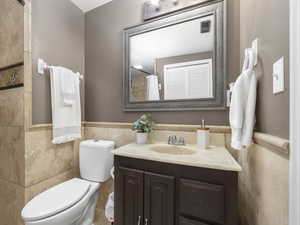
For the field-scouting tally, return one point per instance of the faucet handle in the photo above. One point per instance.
(181, 141)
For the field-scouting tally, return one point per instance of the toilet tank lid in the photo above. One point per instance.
(55, 199)
(97, 143)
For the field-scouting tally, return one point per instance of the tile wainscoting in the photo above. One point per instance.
(263, 181)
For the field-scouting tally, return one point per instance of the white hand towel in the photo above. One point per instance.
(152, 88)
(66, 120)
(242, 107)
(67, 85)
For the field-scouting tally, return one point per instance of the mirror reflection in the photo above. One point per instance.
(174, 62)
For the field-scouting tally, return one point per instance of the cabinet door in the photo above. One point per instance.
(159, 199)
(202, 200)
(129, 196)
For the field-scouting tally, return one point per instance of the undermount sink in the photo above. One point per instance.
(172, 149)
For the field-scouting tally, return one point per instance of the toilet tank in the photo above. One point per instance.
(96, 160)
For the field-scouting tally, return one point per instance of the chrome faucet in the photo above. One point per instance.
(172, 140)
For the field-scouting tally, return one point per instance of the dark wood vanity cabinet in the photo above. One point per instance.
(156, 193)
(144, 198)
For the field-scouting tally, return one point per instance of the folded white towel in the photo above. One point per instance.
(67, 85)
(152, 88)
(242, 107)
(66, 119)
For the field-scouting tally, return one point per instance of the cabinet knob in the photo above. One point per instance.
(146, 221)
(139, 220)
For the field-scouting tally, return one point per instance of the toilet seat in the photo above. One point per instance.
(56, 200)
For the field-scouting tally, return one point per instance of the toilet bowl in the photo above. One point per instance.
(74, 202)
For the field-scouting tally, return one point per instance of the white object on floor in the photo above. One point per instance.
(243, 103)
(66, 119)
(74, 201)
(152, 88)
(109, 208)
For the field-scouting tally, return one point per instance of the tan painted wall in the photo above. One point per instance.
(58, 38)
(104, 60)
(268, 21)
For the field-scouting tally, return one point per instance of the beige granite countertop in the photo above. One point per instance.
(213, 158)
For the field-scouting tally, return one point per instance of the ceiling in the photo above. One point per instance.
(87, 5)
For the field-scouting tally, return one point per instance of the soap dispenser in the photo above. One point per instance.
(203, 136)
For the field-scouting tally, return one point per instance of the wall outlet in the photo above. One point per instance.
(278, 76)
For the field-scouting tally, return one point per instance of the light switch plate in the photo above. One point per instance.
(255, 51)
(278, 76)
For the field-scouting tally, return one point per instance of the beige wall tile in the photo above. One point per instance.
(76, 154)
(11, 203)
(100, 218)
(121, 136)
(12, 154)
(27, 27)
(28, 72)
(11, 40)
(263, 185)
(96, 133)
(12, 107)
(45, 160)
(105, 189)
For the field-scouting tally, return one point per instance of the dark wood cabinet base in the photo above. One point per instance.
(155, 193)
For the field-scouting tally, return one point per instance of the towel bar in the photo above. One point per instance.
(42, 66)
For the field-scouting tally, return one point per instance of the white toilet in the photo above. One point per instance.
(73, 202)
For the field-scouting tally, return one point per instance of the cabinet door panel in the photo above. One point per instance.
(202, 200)
(159, 199)
(129, 196)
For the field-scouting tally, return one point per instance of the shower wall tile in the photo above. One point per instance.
(45, 160)
(12, 154)
(12, 201)
(11, 40)
(12, 107)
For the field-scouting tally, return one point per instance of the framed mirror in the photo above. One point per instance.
(177, 62)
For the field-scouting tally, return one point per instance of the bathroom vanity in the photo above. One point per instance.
(166, 185)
